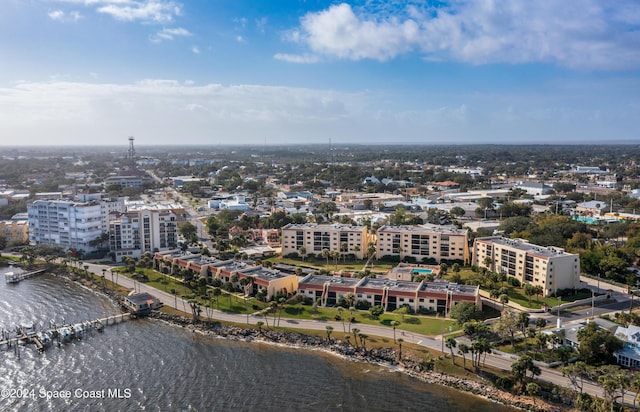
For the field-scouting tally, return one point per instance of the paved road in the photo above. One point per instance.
(431, 342)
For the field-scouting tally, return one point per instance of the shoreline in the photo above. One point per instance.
(385, 357)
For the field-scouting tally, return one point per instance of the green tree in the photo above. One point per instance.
(188, 230)
(464, 312)
(376, 311)
(394, 324)
(329, 332)
(507, 326)
(521, 367)
(597, 346)
(451, 344)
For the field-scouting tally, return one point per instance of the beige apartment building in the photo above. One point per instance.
(346, 239)
(15, 231)
(550, 267)
(423, 242)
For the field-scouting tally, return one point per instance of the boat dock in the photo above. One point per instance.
(12, 277)
(57, 333)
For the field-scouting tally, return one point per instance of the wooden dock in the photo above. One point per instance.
(22, 336)
(11, 277)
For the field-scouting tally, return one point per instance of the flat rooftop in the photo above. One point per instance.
(391, 284)
(336, 226)
(453, 287)
(264, 273)
(526, 246)
(320, 280)
(452, 230)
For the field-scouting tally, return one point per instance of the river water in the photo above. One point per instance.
(151, 366)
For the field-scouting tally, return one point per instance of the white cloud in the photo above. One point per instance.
(170, 34)
(195, 49)
(156, 11)
(56, 15)
(585, 34)
(239, 39)
(61, 16)
(261, 24)
(295, 58)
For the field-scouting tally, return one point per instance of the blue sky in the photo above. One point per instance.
(237, 71)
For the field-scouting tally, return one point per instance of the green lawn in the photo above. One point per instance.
(225, 302)
(411, 323)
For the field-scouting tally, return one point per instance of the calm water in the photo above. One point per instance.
(158, 367)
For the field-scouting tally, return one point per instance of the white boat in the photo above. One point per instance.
(65, 334)
(11, 277)
(44, 338)
(28, 327)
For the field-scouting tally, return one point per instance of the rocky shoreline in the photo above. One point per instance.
(384, 356)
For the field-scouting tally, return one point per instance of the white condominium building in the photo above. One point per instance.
(550, 267)
(423, 242)
(66, 223)
(346, 239)
(134, 233)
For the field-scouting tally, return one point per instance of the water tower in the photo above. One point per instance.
(132, 153)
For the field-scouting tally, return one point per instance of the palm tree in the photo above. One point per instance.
(341, 315)
(302, 251)
(259, 324)
(394, 324)
(363, 339)
(344, 248)
(351, 310)
(329, 331)
(217, 292)
(347, 338)
(356, 335)
(463, 349)
(400, 340)
(451, 343)
(325, 254)
(335, 255)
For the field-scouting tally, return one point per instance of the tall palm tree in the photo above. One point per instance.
(356, 335)
(394, 324)
(451, 343)
(463, 349)
(363, 340)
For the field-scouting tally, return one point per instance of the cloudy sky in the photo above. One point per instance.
(370, 71)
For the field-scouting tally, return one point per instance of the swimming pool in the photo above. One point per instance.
(422, 271)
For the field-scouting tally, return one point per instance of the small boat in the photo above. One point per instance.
(11, 277)
(65, 334)
(78, 330)
(44, 338)
(28, 328)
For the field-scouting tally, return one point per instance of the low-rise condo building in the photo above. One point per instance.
(390, 294)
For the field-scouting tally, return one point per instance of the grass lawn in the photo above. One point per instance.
(417, 324)
(226, 302)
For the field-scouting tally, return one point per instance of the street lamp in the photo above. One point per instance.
(559, 322)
